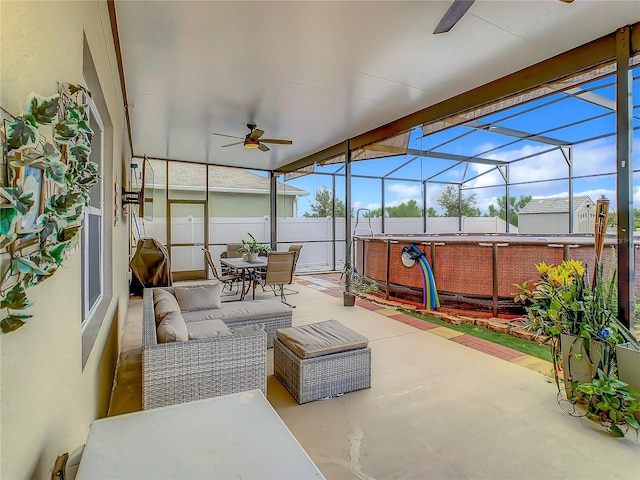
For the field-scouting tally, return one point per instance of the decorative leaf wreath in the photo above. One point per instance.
(65, 163)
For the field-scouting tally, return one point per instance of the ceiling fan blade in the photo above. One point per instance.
(275, 140)
(457, 9)
(263, 147)
(256, 134)
(223, 135)
(232, 144)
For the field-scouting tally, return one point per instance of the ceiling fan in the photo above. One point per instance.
(252, 139)
(455, 12)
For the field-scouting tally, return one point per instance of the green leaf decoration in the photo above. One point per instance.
(6, 240)
(80, 152)
(13, 321)
(8, 217)
(64, 205)
(59, 225)
(65, 235)
(15, 299)
(57, 252)
(54, 170)
(26, 265)
(83, 125)
(49, 226)
(44, 109)
(21, 134)
(88, 176)
(66, 131)
(73, 88)
(20, 201)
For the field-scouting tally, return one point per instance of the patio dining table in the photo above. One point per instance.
(247, 271)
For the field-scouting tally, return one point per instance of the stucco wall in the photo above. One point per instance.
(48, 399)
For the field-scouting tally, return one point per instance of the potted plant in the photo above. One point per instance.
(610, 402)
(578, 319)
(357, 284)
(250, 249)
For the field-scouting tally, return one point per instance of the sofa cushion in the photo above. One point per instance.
(320, 338)
(205, 297)
(159, 293)
(172, 328)
(242, 311)
(164, 304)
(207, 329)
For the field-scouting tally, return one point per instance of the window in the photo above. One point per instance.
(92, 228)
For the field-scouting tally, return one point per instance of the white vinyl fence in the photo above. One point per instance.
(315, 234)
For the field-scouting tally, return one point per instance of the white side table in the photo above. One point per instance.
(228, 437)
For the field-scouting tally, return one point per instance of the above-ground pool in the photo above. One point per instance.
(471, 271)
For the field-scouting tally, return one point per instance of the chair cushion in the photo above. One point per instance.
(321, 338)
(172, 328)
(205, 297)
(207, 329)
(241, 311)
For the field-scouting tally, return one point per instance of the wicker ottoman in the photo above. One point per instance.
(321, 360)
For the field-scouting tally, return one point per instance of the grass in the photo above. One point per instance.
(525, 346)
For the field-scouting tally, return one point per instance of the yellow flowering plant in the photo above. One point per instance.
(563, 301)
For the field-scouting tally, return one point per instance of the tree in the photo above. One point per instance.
(323, 206)
(514, 207)
(404, 210)
(431, 212)
(448, 200)
(612, 221)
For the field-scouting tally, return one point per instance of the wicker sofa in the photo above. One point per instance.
(182, 371)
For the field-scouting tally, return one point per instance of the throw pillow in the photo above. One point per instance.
(207, 329)
(165, 305)
(205, 297)
(159, 293)
(172, 328)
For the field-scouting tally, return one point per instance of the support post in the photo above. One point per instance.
(626, 270)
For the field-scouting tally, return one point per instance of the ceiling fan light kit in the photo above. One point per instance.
(252, 139)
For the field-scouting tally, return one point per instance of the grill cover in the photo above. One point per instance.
(150, 264)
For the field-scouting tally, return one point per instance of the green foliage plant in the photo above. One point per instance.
(358, 283)
(563, 301)
(53, 135)
(253, 246)
(610, 402)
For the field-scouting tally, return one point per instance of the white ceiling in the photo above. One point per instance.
(318, 73)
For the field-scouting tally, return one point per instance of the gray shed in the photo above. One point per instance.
(551, 215)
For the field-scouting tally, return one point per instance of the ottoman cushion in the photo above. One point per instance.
(322, 338)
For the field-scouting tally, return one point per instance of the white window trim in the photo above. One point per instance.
(88, 312)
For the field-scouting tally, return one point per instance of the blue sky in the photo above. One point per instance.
(559, 116)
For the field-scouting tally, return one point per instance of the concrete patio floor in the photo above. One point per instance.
(436, 409)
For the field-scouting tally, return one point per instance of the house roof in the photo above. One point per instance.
(554, 205)
(187, 176)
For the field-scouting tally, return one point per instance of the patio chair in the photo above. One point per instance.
(295, 248)
(231, 251)
(279, 272)
(228, 279)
